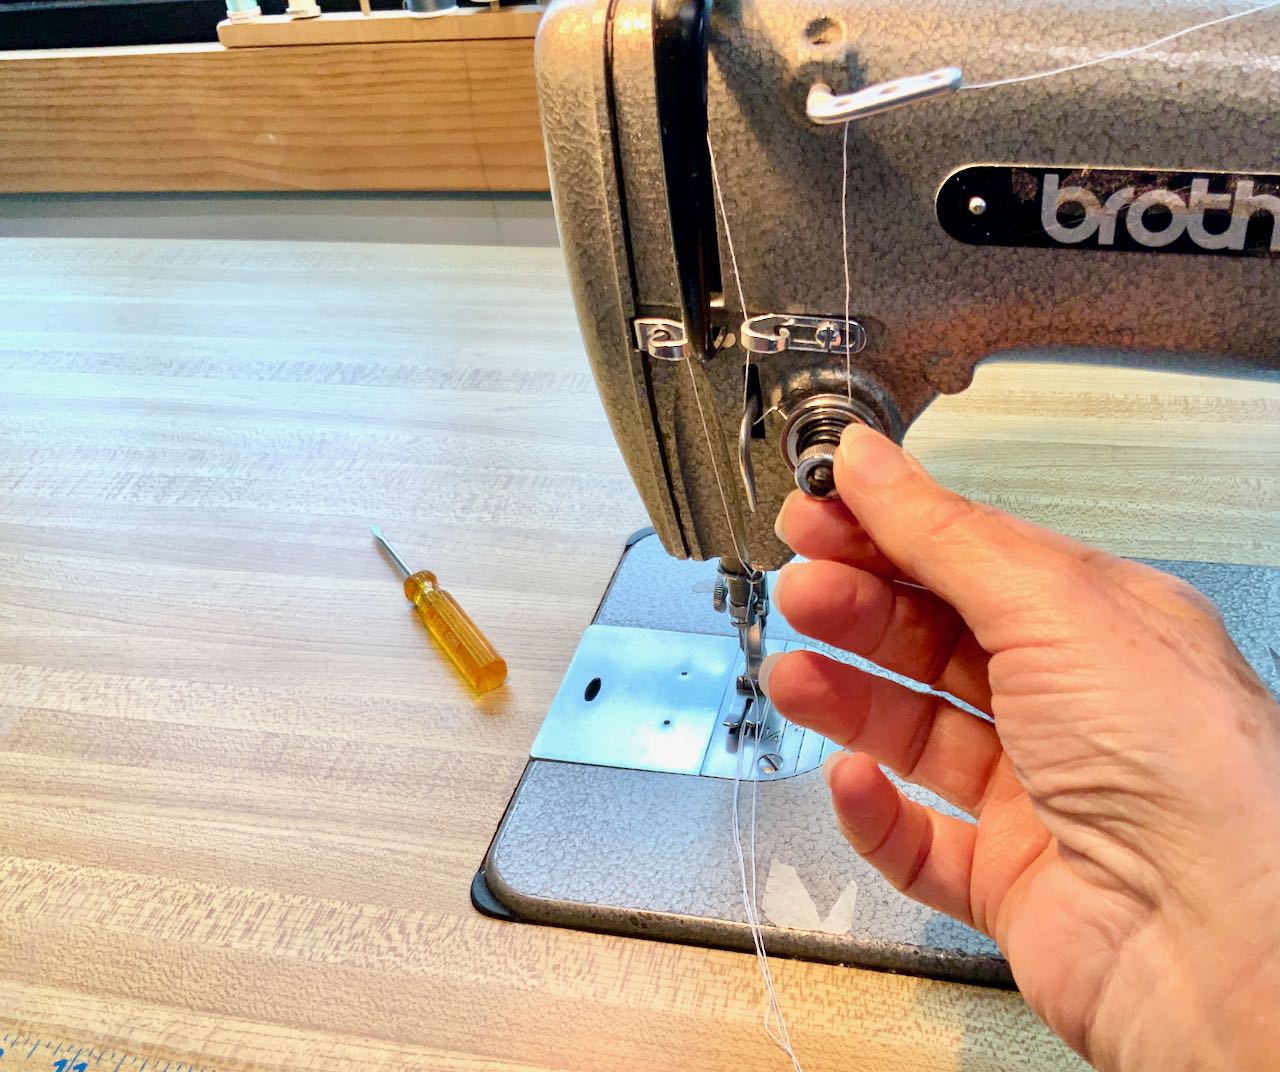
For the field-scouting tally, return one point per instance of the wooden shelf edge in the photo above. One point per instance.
(306, 118)
(381, 27)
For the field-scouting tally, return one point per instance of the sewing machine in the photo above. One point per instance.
(1125, 212)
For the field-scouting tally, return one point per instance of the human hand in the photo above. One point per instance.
(1126, 849)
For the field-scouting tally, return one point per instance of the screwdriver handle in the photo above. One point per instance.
(457, 635)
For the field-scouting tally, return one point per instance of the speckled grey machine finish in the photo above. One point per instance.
(933, 306)
(649, 854)
(643, 852)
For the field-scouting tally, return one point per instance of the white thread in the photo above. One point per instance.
(775, 1022)
(773, 1014)
(1120, 54)
(733, 259)
(782, 1035)
(739, 548)
(844, 242)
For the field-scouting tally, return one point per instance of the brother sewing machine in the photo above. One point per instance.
(1116, 212)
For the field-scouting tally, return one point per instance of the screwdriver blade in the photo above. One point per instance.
(382, 542)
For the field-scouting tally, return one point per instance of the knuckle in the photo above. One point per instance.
(947, 518)
(1191, 598)
(908, 880)
(1070, 578)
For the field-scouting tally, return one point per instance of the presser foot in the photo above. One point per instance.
(743, 594)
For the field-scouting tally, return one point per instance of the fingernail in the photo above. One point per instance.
(829, 766)
(777, 525)
(766, 668)
(869, 457)
(779, 581)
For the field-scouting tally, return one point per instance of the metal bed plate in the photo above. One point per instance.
(605, 846)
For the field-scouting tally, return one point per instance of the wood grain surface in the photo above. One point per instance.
(241, 800)
(435, 116)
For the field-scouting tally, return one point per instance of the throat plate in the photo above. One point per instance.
(658, 700)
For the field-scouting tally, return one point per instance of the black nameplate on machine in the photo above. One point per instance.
(1187, 212)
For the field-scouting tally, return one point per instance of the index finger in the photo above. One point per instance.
(824, 529)
(1005, 581)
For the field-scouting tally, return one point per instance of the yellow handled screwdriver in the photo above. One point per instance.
(449, 625)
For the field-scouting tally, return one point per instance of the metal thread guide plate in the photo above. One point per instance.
(657, 700)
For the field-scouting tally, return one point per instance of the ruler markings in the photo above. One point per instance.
(11, 1043)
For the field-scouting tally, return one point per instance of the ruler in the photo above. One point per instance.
(19, 1051)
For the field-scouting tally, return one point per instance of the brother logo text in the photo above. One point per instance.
(1232, 210)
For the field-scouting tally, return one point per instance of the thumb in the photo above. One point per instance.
(970, 554)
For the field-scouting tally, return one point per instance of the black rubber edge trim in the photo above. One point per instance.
(632, 540)
(484, 901)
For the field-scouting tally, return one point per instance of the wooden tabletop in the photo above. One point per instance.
(241, 800)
